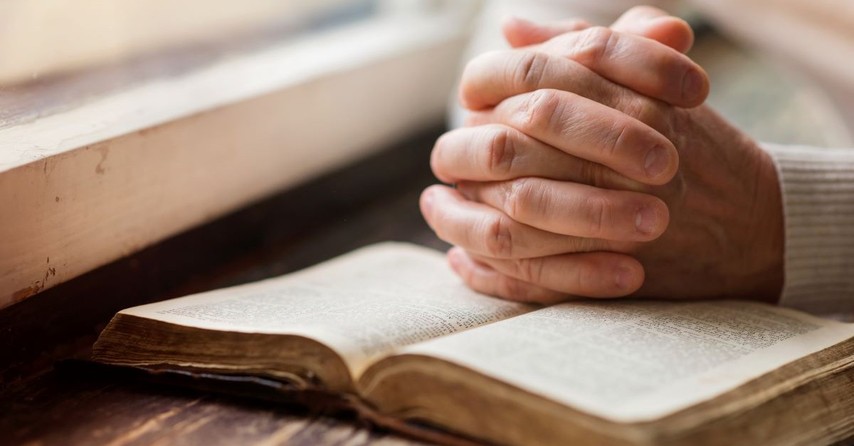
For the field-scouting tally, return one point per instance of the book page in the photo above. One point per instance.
(362, 305)
(631, 361)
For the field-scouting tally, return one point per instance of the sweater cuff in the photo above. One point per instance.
(818, 206)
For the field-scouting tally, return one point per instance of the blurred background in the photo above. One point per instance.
(775, 64)
(57, 54)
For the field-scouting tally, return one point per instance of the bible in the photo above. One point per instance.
(393, 330)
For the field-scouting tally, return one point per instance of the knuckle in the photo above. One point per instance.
(539, 110)
(521, 198)
(615, 139)
(645, 110)
(596, 210)
(499, 238)
(529, 270)
(593, 45)
(528, 74)
(501, 151)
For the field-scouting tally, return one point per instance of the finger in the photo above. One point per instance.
(574, 209)
(494, 76)
(520, 32)
(658, 25)
(572, 63)
(641, 64)
(487, 280)
(496, 152)
(484, 230)
(592, 274)
(588, 130)
(644, 21)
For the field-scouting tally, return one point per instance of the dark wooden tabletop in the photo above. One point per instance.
(45, 404)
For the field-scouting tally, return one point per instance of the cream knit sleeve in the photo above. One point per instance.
(818, 202)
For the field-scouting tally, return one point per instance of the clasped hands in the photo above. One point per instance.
(589, 166)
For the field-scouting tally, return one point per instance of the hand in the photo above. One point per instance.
(554, 196)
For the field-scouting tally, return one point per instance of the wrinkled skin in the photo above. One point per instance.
(588, 167)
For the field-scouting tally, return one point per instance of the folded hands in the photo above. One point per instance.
(589, 166)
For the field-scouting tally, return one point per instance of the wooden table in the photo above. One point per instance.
(371, 201)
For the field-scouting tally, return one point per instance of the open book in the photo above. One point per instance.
(393, 327)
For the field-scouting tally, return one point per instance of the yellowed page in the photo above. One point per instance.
(636, 361)
(362, 305)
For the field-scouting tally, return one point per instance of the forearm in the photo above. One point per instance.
(818, 202)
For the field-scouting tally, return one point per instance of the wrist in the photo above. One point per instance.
(770, 229)
(741, 179)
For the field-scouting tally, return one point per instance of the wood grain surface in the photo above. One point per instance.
(70, 409)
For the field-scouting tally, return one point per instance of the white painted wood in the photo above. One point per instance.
(44, 37)
(84, 187)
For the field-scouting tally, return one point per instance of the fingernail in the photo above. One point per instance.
(656, 161)
(692, 85)
(647, 221)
